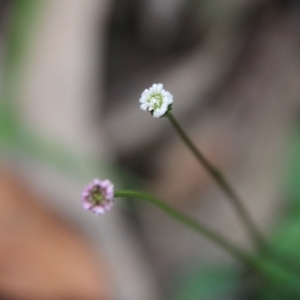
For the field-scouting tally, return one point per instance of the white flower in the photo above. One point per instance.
(156, 100)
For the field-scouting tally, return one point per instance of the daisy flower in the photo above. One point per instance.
(156, 100)
(98, 196)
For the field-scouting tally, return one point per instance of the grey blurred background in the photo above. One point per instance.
(71, 74)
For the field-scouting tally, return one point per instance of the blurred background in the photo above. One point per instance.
(71, 74)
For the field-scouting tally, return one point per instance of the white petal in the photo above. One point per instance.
(157, 114)
(145, 93)
(163, 108)
(161, 111)
(169, 100)
(144, 106)
(151, 89)
(160, 87)
(143, 99)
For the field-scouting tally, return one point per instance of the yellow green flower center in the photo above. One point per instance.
(96, 195)
(156, 100)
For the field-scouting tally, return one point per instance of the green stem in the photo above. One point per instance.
(223, 184)
(269, 272)
(188, 222)
(221, 180)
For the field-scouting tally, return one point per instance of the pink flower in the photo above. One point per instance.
(98, 196)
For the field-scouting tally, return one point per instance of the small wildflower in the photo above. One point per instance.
(156, 100)
(98, 196)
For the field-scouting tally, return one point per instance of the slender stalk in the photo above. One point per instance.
(236, 201)
(190, 223)
(282, 281)
(221, 180)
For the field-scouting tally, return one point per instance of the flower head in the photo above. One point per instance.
(156, 100)
(98, 196)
